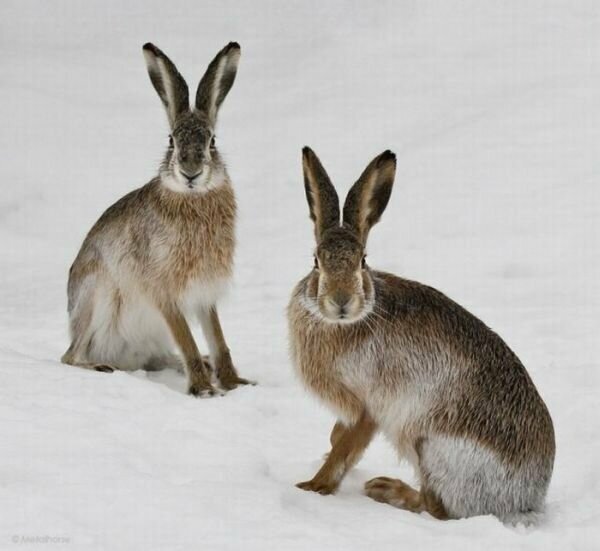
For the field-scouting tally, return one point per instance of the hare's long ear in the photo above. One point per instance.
(217, 81)
(167, 81)
(369, 196)
(322, 198)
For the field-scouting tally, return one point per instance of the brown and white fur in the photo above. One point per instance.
(163, 253)
(392, 355)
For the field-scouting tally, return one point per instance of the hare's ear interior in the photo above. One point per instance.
(167, 81)
(217, 81)
(369, 196)
(322, 198)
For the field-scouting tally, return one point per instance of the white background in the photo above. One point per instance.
(493, 109)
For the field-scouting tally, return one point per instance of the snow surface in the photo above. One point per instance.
(494, 111)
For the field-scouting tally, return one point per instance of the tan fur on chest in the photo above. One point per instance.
(316, 349)
(201, 242)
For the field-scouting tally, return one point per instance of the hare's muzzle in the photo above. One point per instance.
(192, 177)
(342, 307)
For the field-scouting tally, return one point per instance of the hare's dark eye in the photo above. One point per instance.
(316, 266)
(170, 141)
(212, 142)
(363, 263)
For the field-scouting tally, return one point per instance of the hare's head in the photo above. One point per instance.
(192, 162)
(340, 288)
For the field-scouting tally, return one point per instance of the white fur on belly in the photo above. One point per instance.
(138, 332)
(201, 294)
(396, 409)
(130, 337)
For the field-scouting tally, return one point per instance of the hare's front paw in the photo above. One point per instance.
(227, 375)
(199, 380)
(199, 383)
(233, 381)
(203, 390)
(323, 487)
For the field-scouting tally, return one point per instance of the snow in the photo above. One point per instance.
(494, 112)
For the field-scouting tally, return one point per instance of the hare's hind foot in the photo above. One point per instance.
(69, 359)
(395, 492)
(103, 368)
(401, 495)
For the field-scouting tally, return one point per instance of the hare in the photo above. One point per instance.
(164, 252)
(392, 355)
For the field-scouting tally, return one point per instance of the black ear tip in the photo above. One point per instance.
(233, 46)
(306, 151)
(387, 156)
(149, 47)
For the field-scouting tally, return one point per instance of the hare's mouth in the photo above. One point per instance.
(351, 311)
(315, 307)
(189, 181)
(198, 181)
(344, 319)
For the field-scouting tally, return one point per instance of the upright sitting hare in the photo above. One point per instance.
(163, 252)
(389, 354)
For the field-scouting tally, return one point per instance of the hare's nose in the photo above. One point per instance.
(341, 300)
(188, 177)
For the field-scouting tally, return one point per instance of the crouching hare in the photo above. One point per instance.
(164, 252)
(392, 355)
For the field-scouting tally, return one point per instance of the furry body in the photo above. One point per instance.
(445, 390)
(151, 247)
(392, 355)
(163, 253)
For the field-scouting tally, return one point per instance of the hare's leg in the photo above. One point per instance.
(69, 358)
(81, 338)
(337, 432)
(219, 351)
(348, 445)
(401, 495)
(198, 371)
(395, 492)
